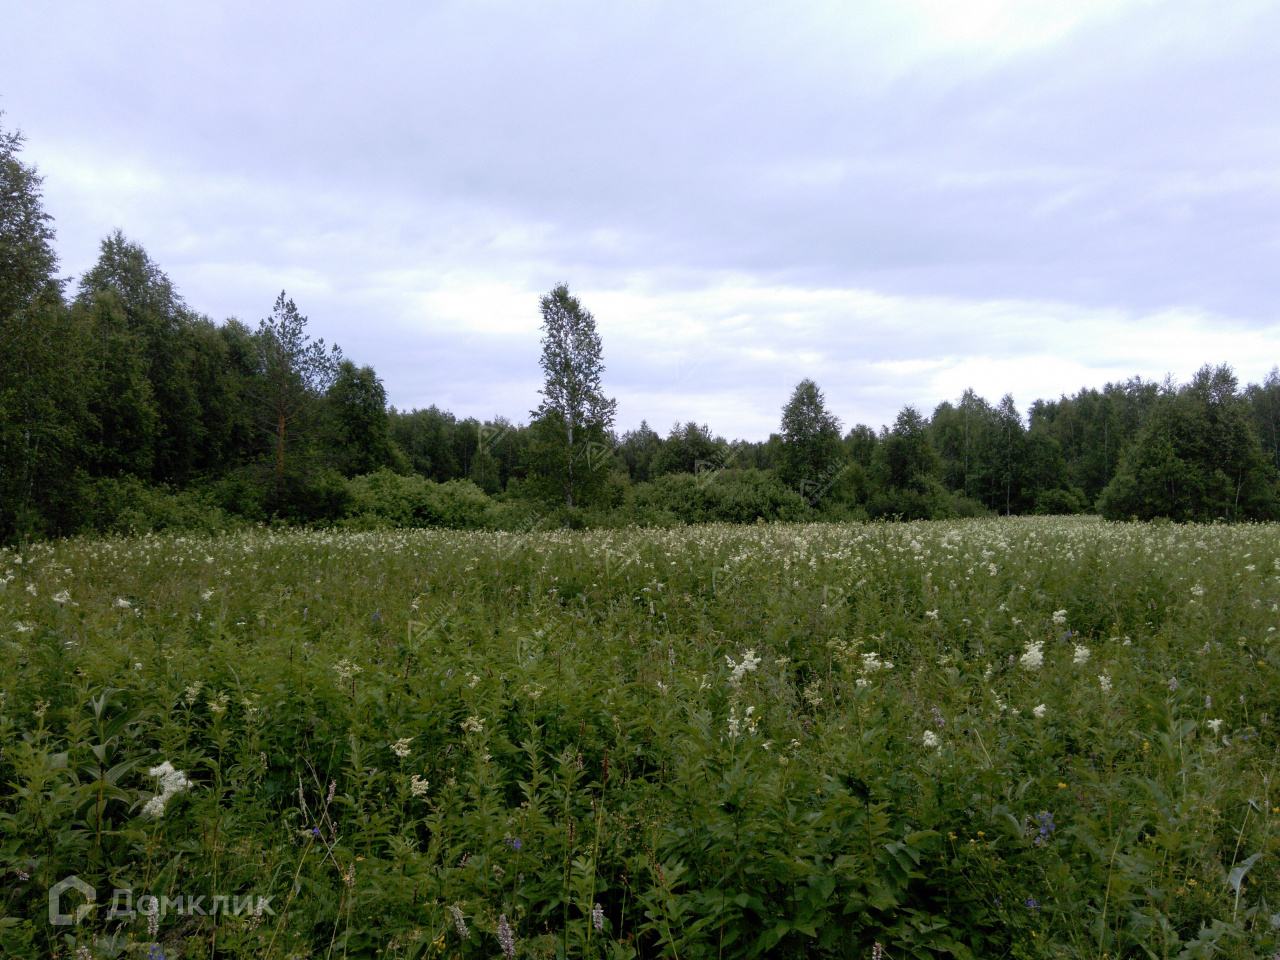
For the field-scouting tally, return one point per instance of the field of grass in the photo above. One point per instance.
(1018, 737)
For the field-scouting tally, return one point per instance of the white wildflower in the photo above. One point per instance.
(122, 603)
(1033, 657)
(931, 614)
(206, 595)
(193, 692)
(218, 703)
(31, 589)
(418, 786)
(171, 782)
(473, 725)
(1040, 711)
(930, 740)
(1197, 591)
(871, 663)
(1059, 617)
(597, 918)
(739, 670)
(1215, 726)
(813, 693)
(401, 747)
(346, 670)
(1082, 654)
(1104, 681)
(61, 597)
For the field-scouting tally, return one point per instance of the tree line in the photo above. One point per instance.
(122, 408)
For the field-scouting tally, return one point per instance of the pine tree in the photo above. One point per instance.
(293, 374)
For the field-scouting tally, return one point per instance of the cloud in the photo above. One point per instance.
(898, 198)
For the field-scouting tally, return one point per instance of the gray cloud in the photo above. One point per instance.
(900, 203)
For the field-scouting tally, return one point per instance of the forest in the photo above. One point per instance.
(125, 410)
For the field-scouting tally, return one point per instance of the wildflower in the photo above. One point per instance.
(515, 844)
(206, 595)
(459, 922)
(1033, 657)
(930, 740)
(1215, 726)
(1208, 702)
(1059, 617)
(597, 918)
(475, 679)
(1047, 826)
(1104, 682)
(61, 597)
(31, 589)
(346, 670)
(1197, 591)
(122, 603)
(877, 951)
(401, 747)
(871, 663)
(861, 682)
(1173, 684)
(1081, 655)
(473, 725)
(218, 703)
(418, 786)
(192, 692)
(1031, 904)
(1040, 711)
(812, 693)
(506, 939)
(931, 614)
(42, 707)
(171, 782)
(739, 670)
(938, 718)
(23, 627)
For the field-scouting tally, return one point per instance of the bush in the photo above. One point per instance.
(1061, 502)
(129, 506)
(730, 496)
(388, 499)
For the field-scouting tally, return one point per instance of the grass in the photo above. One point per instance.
(1018, 737)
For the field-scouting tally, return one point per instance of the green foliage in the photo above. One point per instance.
(688, 449)
(811, 447)
(358, 428)
(1049, 738)
(127, 506)
(1197, 458)
(388, 499)
(730, 496)
(571, 426)
(40, 406)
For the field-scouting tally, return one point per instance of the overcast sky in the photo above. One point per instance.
(899, 199)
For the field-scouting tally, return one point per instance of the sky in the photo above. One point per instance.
(897, 198)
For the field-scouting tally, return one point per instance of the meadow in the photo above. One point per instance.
(1026, 737)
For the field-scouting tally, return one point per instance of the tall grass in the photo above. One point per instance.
(1018, 737)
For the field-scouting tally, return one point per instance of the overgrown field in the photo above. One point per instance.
(1018, 737)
